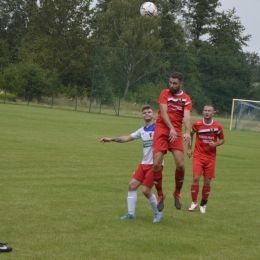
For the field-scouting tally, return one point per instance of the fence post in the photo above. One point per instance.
(5, 96)
(51, 101)
(100, 106)
(28, 98)
(91, 90)
(76, 101)
(121, 83)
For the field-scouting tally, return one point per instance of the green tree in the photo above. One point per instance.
(253, 61)
(58, 40)
(118, 23)
(4, 55)
(227, 36)
(25, 77)
(171, 31)
(199, 18)
(14, 22)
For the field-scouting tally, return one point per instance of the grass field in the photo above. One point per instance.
(63, 193)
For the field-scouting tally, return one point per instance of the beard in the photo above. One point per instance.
(175, 91)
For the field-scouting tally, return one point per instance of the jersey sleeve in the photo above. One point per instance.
(137, 134)
(162, 98)
(221, 133)
(193, 129)
(188, 104)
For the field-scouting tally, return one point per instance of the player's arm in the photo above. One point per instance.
(167, 121)
(120, 139)
(186, 121)
(218, 143)
(189, 151)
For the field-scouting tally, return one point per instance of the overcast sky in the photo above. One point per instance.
(248, 11)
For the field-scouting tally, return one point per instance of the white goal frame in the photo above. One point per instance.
(232, 109)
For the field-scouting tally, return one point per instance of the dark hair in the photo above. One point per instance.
(177, 75)
(147, 107)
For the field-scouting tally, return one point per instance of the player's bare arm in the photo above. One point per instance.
(121, 139)
(189, 150)
(186, 121)
(167, 121)
(218, 143)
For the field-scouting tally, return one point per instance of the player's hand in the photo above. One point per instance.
(105, 140)
(189, 153)
(187, 139)
(172, 135)
(212, 144)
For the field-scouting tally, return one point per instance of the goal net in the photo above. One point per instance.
(245, 115)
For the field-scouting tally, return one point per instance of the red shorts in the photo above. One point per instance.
(161, 142)
(144, 174)
(204, 166)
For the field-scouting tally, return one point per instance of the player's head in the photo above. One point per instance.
(148, 113)
(208, 111)
(176, 82)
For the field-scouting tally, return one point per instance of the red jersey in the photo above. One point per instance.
(176, 103)
(204, 134)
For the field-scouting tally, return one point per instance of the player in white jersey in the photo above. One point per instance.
(143, 174)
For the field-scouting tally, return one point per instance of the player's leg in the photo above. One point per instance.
(158, 185)
(179, 176)
(205, 194)
(194, 189)
(160, 147)
(153, 202)
(147, 186)
(131, 199)
(157, 161)
(158, 177)
(151, 198)
(209, 173)
(136, 181)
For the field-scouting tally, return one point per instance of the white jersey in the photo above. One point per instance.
(146, 133)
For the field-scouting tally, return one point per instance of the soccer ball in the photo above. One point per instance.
(148, 9)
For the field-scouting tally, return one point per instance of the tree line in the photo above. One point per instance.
(47, 46)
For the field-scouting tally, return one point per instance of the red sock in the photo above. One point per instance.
(205, 192)
(157, 177)
(179, 178)
(194, 190)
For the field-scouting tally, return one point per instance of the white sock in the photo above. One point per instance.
(153, 202)
(131, 201)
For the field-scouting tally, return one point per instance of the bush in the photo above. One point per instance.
(26, 77)
(8, 96)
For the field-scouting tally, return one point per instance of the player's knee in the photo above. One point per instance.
(195, 181)
(180, 167)
(146, 192)
(132, 186)
(207, 182)
(157, 167)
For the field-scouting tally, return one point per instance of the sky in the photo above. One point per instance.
(248, 12)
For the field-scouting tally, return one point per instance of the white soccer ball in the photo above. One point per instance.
(148, 9)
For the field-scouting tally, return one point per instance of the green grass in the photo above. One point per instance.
(63, 193)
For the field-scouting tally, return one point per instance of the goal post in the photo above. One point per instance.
(245, 115)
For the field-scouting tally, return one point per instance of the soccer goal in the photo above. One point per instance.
(245, 115)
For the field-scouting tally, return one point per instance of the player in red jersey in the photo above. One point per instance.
(174, 108)
(209, 135)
